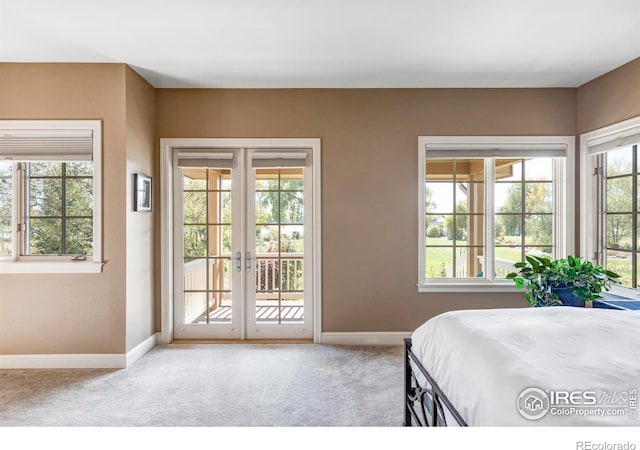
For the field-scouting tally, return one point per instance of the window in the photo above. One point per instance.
(50, 217)
(486, 202)
(610, 223)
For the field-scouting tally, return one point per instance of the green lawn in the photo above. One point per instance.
(439, 259)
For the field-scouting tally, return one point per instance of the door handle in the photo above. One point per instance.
(238, 259)
(247, 259)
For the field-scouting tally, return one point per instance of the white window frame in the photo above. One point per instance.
(58, 264)
(564, 204)
(589, 189)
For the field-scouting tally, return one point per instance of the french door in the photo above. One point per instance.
(243, 242)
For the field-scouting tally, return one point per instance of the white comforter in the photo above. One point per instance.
(484, 359)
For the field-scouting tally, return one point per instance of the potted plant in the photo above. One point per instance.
(569, 282)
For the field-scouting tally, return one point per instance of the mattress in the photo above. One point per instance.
(549, 366)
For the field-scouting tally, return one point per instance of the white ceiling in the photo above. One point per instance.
(331, 43)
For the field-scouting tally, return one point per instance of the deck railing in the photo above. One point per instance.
(501, 266)
(272, 274)
(195, 277)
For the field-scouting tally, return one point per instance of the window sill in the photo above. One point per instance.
(50, 266)
(623, 292)
(472, 286)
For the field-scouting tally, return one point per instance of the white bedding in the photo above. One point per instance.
(484, 359)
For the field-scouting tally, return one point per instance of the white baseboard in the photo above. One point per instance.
(365, 338)
(71, 361)
(77, 361)
(141, 349)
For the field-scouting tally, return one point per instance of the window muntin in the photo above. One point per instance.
(454, 217)
(523, 207)
(557, 152)
(6, 193)
(618, 207)
(76, 143)
(57, 208)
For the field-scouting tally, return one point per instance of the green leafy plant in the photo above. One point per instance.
(541, 278)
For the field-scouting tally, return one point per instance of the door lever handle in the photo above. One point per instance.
(247, 259)
(238, 259)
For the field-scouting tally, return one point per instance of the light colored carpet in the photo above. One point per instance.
(216, 385)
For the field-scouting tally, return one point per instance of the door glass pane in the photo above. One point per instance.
(291, 274)
(267, 207)
(267, 308)
(195, 207)
(195, 307)
(267, 179)
(194, 179)
(266, 239)
(220, 274)
(292, 308)
(292, 239)
(195, 240)
(220, 310)
(207, 245)
(195, 274)
(219, 240)
(292, 207)
(292, 179)
(279, 288)
(267, 275)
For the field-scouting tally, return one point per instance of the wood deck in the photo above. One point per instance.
(264, 314)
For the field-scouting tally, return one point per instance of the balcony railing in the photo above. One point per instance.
(273, 274)
(501, 266)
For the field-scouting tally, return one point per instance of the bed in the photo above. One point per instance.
(554, 366)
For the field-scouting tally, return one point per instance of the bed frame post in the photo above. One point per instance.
(408, 403)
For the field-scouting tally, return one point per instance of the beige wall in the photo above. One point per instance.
(370, 176)
(82, 313)
(140, 135)
(611, 98)
(369, 205)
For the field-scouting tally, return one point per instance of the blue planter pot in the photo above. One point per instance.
(568, 298)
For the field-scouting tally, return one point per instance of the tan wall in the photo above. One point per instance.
(370, 177)
(141, 130)
(610, 98)
(82, 313)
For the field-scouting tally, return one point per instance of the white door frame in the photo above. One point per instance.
(167, 145)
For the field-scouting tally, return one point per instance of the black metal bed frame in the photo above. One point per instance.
(424, 404)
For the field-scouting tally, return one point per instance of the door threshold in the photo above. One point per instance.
(240, 341)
